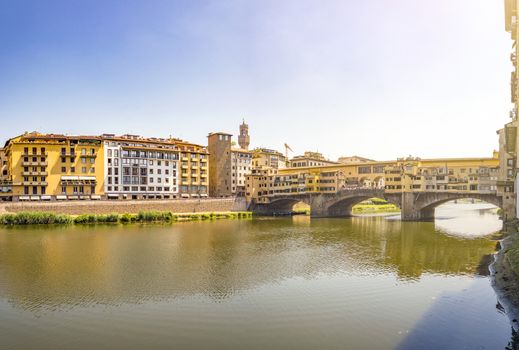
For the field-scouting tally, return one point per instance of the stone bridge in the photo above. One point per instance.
(415, 206)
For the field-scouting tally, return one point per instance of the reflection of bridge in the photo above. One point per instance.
(414, 205)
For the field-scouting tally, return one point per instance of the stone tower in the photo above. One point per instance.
(220, 167)
(243, 137)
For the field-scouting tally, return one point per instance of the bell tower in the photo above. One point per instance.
(243, 137)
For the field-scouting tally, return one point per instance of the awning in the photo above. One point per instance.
(61, 197)
(113, 195)
(204, 195)
(184, 195)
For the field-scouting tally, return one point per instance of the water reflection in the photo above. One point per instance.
(63, 267)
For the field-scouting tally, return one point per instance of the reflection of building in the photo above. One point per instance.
(310, 159)
(49, 166)
(354, 160)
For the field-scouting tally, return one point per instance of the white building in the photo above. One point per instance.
(139, 168)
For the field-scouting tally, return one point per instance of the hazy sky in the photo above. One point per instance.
(376, 78)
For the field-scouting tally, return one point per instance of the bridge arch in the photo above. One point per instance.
(425, 204)
(284, 205)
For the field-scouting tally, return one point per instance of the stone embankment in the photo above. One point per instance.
(505, 277)
(131, 207)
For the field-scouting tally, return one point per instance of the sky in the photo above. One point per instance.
(375, 78)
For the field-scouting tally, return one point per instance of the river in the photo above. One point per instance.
(267, 283)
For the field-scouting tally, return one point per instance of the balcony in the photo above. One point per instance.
(34, 183)
(30, 163)
(39, 154)
(34, 173)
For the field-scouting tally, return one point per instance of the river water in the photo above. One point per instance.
(268, 283)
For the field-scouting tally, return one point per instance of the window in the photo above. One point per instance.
(64, 189)
(63, 169)
(83, 170)
(83, 160)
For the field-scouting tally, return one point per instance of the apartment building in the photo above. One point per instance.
(50, 166)
(6, 186)
(154, 168)
(310, 159)
(456, 175)
(264, 157)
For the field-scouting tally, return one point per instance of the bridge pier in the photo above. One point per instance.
(410, 211)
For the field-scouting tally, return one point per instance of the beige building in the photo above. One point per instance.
(354, 160)
(310, 159)
(264, 157)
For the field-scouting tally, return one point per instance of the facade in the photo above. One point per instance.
(310, 159)
(50, 166)
(59, 167)
(264, 157)
(508, 139)
(220, 163)
(229, 166)
(404, 175)
(241, 166)
(354, 160)
(141, 168)
(6, 186)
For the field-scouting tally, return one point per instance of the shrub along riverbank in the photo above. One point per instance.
(42, 218)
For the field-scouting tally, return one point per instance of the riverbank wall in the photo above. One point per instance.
(130, 207)
(505, 273)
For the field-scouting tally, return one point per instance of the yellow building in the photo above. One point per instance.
(50, 166)
(403, 175)
(269, 158)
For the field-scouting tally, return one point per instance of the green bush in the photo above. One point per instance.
(126, 218)
(150, 216)
(34, 218)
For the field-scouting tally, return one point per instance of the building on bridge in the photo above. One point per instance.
(310, 159)
(412, 175)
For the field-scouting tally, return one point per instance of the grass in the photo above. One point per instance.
(375, 205)
(34, 218)
(41, 218)
(512, 255)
